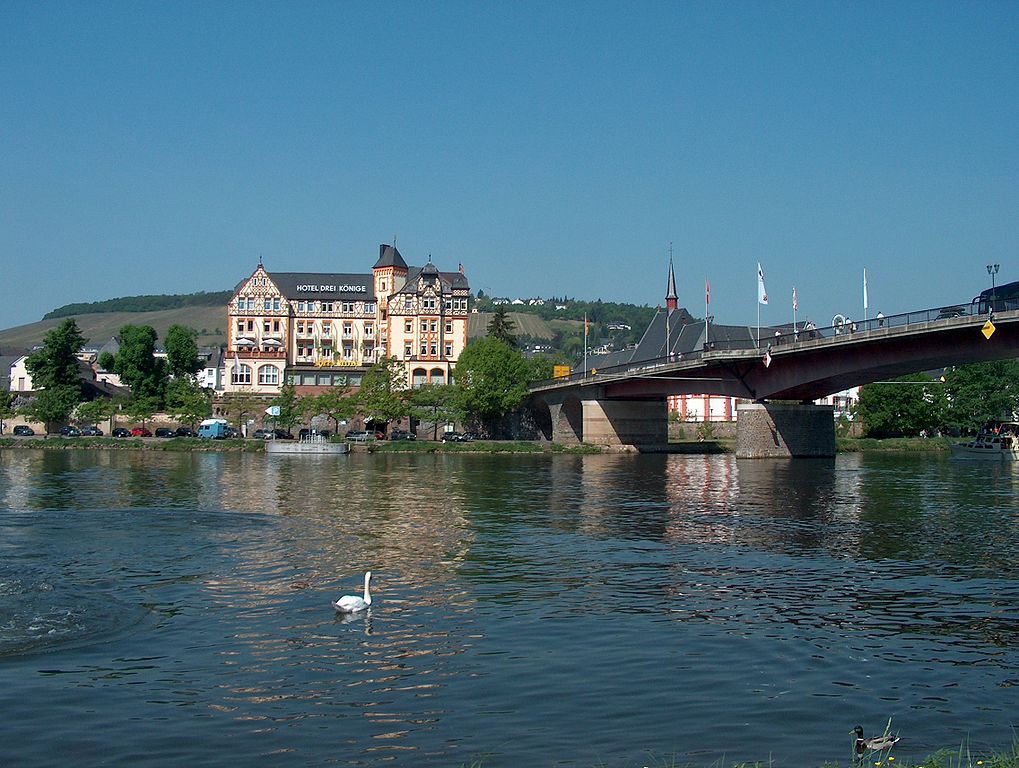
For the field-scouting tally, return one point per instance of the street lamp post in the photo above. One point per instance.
(992, 270)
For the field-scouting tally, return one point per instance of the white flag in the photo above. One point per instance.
(767, 359)
(762, 294)
(864, 287)
(795, 305)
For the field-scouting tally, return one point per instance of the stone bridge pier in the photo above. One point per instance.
(590, 418)
(784, 430)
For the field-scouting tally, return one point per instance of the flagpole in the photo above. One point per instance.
(865, 302)
(795, 332)
(585, 345)
(707, 300)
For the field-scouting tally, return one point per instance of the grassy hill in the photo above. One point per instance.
(211, 323)
(98, 328)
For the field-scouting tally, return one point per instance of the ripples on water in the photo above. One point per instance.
(554, 610)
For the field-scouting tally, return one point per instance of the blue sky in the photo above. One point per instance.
(552, 148)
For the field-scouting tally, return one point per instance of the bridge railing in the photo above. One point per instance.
(786, 336)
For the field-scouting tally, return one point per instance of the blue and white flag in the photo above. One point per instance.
(762, 293)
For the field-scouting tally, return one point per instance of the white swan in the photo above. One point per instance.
(353, 603)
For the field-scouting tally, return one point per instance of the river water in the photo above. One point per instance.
(162, 609)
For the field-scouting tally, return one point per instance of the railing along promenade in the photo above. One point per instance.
(787, 339)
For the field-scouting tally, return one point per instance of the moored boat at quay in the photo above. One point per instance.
(312, 444)
(999, 441)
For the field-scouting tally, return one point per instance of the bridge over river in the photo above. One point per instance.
(779, 375)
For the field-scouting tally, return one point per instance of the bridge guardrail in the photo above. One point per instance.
(805, 331)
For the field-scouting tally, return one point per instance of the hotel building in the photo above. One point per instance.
(318, 330)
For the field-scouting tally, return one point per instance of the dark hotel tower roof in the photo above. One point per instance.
(328, 286)
(389, 257)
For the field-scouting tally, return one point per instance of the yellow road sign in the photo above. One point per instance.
(988, 329)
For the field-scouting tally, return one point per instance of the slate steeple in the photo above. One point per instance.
(671, 299)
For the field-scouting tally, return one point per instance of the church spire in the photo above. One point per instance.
(671, 299)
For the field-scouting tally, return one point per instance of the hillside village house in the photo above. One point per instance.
(326, 329)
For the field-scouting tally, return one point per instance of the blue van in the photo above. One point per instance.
(212, 429)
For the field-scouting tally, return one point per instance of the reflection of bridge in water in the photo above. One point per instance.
(625, 403)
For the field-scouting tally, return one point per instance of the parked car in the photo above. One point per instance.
(261, 434)
(91, 432)
(282, 434)
(229, 432)
(452, 437)
(470, 437)
(23, 430)
(184, 432)
(164, 432)
(140, 432)
(121, 432)
(70, 431)
(402, 434)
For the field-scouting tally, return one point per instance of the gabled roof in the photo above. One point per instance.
(328, 286)
(449, 280)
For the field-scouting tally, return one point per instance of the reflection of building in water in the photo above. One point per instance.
(707, 407)
(702, 496)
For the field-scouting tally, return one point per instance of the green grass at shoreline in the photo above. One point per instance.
(185, 444)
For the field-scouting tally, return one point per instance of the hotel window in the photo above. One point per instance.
(327, 306)
(447, 304)
(424, 349)
(424, 325)
(408, 303)
(369, 308)
(327, 329)
(240, 326)
(300, 327)
(408, 327)
(449, 326)
(300, 306)
(369, 350)
(267, 305)
(433, 326)
(347, 307)
(276, 305)
(407, 350)
(348, 329)
(251, 326)
(275, 326)
(348, 352)
(369, 329)
(266, 326)
(268, 374)
(241, 375)
(433, 349)
(449, 350)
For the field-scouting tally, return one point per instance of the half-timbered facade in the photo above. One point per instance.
(325, 329)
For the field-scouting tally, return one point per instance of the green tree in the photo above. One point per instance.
(239, 405)
(188, 402)
(290, 405)
(182, 351)
(982, 392)
(54, 369)
(56, 362)
(492, 378)
(904, 407)
(6, 407)
(502, 328)
(437, 403)
(337, 404)
(137, 365)
(383, 388)
(141, 408)
(53, 405)
(94, 411)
